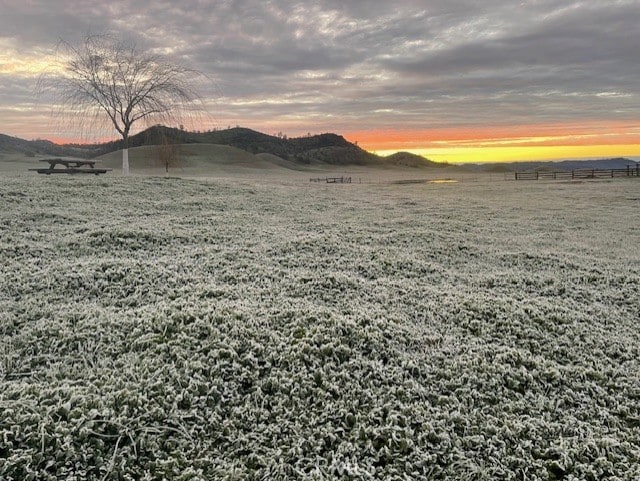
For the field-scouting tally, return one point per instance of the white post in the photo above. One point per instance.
(125, 162)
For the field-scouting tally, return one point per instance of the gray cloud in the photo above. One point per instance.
(357, 64)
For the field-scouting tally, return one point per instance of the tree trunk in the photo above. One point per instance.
(125, 162)
(125, 156)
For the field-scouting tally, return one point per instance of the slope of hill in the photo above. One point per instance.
(324, 148)
(15, 145)
(197, 159)
(244, 139)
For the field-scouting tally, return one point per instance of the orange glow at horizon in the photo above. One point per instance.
(508, 143)
(462, 155)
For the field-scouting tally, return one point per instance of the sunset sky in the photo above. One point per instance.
(453, 80)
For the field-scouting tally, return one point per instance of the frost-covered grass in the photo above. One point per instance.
(158, 328)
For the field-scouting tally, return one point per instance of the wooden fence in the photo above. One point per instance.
(579, 174)
(332, 180)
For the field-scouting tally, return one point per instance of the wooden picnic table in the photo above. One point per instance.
(71, 166)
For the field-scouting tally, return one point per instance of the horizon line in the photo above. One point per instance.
(468, 155)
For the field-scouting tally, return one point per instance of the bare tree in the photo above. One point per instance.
(167, 153)
(106, 78)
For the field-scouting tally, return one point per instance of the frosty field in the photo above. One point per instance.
(192, 329)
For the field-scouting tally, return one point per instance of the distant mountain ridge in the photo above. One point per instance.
(558, 165)
(15, 145)
(327, 148)
(407, 159)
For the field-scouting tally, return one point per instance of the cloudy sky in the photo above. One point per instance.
(454, 80)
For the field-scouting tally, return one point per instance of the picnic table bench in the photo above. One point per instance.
(71, 166)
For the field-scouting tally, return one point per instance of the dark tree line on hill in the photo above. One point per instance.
(326, 148)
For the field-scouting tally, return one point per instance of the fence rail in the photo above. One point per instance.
(579, 174)
(332, 180)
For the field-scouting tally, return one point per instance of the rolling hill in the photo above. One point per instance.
(324, 148)
(29, 148)
(239, 146)
(197, 158)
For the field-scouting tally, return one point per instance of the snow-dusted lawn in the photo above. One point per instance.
(158, 328)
